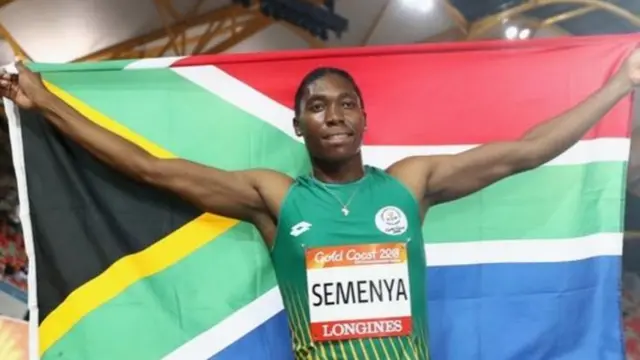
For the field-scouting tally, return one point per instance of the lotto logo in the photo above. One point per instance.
(299, 228)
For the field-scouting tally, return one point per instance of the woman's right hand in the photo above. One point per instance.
(25, 88)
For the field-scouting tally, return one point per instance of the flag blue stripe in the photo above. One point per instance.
(499, 312)
(269, 341)
(568, 311)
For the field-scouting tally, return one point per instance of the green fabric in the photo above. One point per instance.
(366, 198)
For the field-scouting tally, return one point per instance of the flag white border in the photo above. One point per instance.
(17, 153)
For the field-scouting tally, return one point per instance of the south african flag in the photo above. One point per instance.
(528, 268)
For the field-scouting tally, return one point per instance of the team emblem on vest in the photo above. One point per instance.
(391, 221)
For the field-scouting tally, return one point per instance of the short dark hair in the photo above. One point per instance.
(316, 74)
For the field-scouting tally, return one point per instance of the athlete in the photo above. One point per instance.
(346, 239)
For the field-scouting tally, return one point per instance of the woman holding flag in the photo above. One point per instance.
(346, 239)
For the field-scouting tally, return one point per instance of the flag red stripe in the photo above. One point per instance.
(490, 45)
(454, 93)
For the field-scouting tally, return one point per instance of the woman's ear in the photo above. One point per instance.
(296, 127)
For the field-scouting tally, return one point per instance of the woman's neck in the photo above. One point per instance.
(341, 172)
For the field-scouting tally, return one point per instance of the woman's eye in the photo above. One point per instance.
(348, 104)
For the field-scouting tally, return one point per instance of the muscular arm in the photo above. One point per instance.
(437, 179)
(238, 195)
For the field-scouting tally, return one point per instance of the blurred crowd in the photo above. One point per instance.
(631, 258)
(13, 258)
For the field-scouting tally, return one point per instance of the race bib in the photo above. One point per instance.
(358, 291)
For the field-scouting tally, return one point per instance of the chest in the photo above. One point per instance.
(316, 218)
(357, 270)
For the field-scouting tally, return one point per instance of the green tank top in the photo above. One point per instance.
(353, 285)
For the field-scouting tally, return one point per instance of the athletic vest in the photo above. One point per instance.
(353, 285)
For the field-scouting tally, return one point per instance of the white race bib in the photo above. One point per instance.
(358, 291)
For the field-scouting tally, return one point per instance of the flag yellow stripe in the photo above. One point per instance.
(107, 123)
(132, 268)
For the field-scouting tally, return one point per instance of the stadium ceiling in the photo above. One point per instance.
(80, 30)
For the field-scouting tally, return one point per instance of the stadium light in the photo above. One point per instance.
(419, 5)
